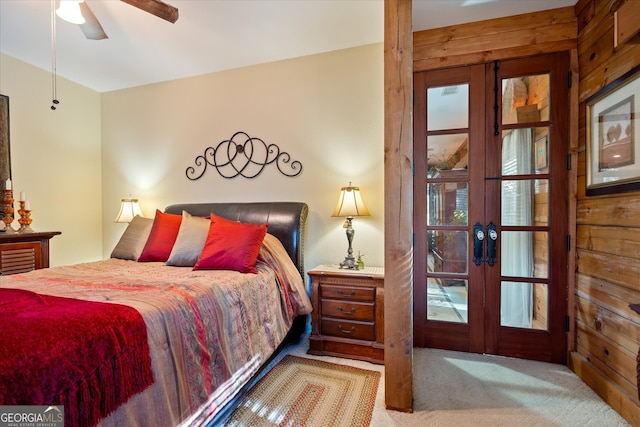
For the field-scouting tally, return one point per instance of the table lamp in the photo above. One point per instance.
(128, 209)
(350, 204)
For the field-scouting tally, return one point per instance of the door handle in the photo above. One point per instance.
(478, 243)
(491, 243)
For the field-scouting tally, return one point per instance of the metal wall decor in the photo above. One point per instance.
(245, 156)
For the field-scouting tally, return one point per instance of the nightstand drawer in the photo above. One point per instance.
(347, 329)
(348, 310)
(350, 293)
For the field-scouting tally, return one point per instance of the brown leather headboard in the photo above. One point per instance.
(286, 220)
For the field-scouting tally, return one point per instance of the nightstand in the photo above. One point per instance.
(348, 312)
(23, 252)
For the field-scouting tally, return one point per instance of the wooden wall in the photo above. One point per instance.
(608, 236)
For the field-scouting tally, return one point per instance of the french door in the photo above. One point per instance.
(490, 208)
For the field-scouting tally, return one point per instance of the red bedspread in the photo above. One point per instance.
(88, 356)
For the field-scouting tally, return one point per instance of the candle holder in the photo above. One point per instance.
(7, 201)
(25, 219)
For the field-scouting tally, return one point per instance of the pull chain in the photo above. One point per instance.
(54, 77)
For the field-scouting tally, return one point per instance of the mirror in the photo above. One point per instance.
(5, 153)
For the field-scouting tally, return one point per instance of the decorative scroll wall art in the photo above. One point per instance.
(242, 155)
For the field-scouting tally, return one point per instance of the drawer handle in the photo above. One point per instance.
(348, 295)
(353, 328)
(353, 310)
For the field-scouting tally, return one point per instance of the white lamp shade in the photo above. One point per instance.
(128, 209)
(350, 203)
(69, 10)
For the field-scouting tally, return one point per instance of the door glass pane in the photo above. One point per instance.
(525, 151)
(525, 202)
(524, 305)
(447, 203)
(447, 300)
(448, 107)
(447, 251)
(541, 254)
(525, 99)
(447, 155)
(524, 254)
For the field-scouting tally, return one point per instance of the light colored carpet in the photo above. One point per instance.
(463, 389)
(300, 391)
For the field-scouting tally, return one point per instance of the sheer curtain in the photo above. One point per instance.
(516, 304)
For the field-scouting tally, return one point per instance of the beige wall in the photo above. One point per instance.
(55, 158)
(77, 162)
(325, 110)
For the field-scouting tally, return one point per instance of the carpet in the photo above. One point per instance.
(307, 392)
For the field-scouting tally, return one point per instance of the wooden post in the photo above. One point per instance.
(398, 199)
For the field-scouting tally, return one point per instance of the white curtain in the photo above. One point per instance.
(516, 305)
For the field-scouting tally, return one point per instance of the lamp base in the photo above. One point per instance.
(349, 263)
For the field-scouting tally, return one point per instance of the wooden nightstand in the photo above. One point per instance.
(348, 312)
(23, 252)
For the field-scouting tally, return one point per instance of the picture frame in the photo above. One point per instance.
(613, 137)
(542, 156)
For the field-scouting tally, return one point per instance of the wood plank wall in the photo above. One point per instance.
(486, 41)
(608, 236)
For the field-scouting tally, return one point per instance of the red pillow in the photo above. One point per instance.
(231, 245)
(162, 237)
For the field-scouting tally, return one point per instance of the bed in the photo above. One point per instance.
(167, 341)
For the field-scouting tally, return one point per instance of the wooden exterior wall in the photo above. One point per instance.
(608, 236)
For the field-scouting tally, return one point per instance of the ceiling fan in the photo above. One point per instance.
(79, 12)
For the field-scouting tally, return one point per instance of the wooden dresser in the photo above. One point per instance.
(23, 252)
(348, 312)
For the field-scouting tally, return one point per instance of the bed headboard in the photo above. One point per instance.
(286, 220)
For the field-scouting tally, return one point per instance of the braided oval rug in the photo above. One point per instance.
(308, 392)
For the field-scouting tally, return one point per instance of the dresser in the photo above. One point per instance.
(348, 312)
(23, 252)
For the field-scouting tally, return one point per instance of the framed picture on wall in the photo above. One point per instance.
(613, 137)
(542, 159)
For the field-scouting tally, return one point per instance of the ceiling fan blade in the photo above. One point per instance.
(157, 8)
(91, 27)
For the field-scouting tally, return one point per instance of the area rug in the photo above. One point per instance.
(307, 392)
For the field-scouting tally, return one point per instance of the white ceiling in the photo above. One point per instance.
(214, 35)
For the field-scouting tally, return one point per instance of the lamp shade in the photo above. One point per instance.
(69, 10)
(350, 203)
(128, 209)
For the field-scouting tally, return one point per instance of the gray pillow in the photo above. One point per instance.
(132, 242)
(192, 235)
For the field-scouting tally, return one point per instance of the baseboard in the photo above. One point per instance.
(618, 399)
